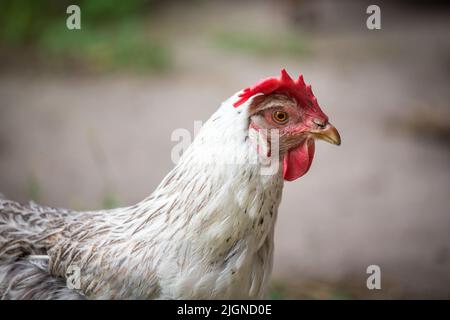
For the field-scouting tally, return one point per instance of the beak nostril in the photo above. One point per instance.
(321, 124)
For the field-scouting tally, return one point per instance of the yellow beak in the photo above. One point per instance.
(328, 134)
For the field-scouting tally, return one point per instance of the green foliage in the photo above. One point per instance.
(340, 295)
(110, 10)
(113, 33)
(33, 189)
(110, 200)
(313, 289)
(277, 293)
(119, 46)
(262, 44)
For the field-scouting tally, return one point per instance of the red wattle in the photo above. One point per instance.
(297, 161)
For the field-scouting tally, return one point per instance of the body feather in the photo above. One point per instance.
(206, 232)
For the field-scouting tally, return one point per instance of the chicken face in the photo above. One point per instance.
(290, 108)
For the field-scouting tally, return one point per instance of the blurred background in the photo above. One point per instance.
(86, 117)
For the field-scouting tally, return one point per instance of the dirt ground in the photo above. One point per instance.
(382, 197)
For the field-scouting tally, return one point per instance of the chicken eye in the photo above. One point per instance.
(280, 117)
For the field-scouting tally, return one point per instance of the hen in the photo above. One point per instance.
(206, 232)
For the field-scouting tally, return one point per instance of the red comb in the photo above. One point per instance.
(298, 90)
